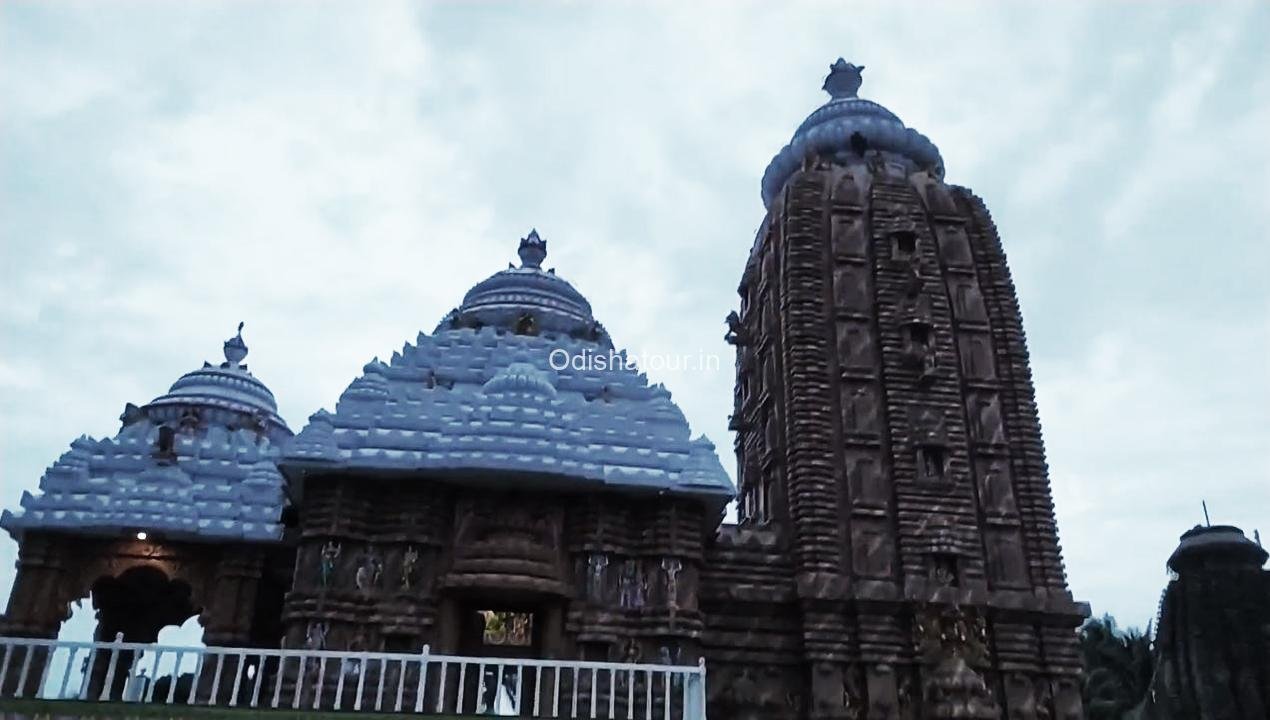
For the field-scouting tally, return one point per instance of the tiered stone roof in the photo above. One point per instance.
(499, 388)
(214, 478)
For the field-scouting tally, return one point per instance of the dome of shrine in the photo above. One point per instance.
(196, 462)
(226, 390)
(845, 126)
(1207, 544)
(519, 381)
(527, 300)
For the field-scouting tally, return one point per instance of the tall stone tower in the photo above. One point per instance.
(892, 474)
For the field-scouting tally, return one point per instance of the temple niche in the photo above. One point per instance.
(507, 486)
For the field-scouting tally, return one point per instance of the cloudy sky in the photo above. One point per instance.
(337, 175)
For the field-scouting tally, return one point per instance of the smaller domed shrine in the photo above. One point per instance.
(196, 462)
(185, 503)
(1212, 639)
(510, 462)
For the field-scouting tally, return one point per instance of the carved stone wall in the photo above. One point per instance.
(385, 564)
(54, 571)
(1212, 642)
(897, 554)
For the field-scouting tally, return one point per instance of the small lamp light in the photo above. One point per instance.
(142, 535)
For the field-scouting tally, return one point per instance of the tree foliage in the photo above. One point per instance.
(1118, 668)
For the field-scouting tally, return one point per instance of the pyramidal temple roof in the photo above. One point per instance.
(198, 461)
(848, 125)
(521, 380)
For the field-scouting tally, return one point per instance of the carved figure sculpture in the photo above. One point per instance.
(330, 553)
(672, 566)
(630, 590)
(408, 561)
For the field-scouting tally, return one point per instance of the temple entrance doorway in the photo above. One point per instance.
(500, 630)
(137, 604)
(490, 626)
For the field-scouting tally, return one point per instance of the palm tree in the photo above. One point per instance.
(1118, 668)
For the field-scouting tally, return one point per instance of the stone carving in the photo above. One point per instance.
(596, 564)
(987, 420)
(914, 281)
(996, 495)
(737, 334)
(1005, 563)
(860, 411)
(630, 588)
(131, 414)
(846, 191)
(672, 567)
(968, 303)
(330, 554)
(943, 570)
(190, 418)
(954, 246)
(868, 485)
(872, 550)
(854, 698)
(976, 358)
(851, 288)
(315, 635)
(950, 642)
(855, 346)
(408, 562)
(370, 571)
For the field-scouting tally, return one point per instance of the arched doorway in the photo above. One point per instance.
(137, 605)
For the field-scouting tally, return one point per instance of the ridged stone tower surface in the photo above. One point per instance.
(897, 555)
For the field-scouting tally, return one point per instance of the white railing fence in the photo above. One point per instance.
(340, 680)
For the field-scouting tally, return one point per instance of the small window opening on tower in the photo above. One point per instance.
(932, 461)
(904, 244)
(166, 445)
(919, 334)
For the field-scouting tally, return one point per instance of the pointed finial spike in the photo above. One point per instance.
(532, 250)
(1207, 522)
(844, 79)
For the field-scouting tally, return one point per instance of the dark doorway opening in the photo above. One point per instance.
(499, 630)
(137, 605)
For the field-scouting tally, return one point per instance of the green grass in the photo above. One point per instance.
(59, 709)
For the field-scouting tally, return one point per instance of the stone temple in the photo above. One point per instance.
(895, 553)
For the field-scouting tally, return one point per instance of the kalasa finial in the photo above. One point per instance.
(533, 250)
(844, 79)
(235, 349)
